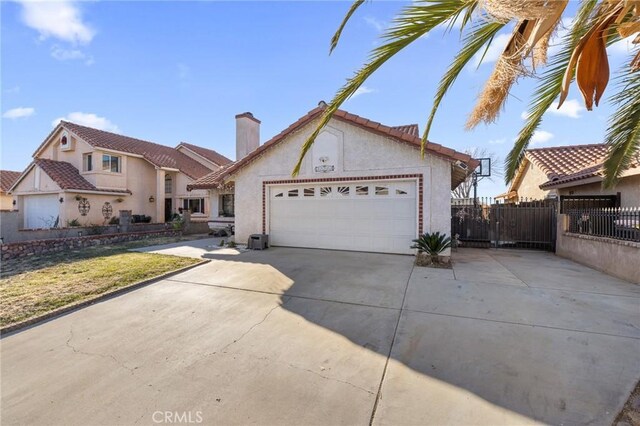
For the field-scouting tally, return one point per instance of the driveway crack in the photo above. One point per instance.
(250, 329)
(332, 379)
(106, 356)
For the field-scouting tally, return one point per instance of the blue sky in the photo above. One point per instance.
(179, 71)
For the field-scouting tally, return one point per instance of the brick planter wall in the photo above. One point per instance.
(38, 247)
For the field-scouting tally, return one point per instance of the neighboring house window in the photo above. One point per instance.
(88, 162)
(167, 184)
(228, 205)
(63, 140)
(111, 163)
(195, 205)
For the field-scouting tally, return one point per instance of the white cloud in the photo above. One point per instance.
(624, 46)
(570, 108)
(555, 43)
(375, 23)
(362, 90)
(62, 54)
(88, 119)
(494, 51)
(19, 112)
(497, 141)
(524, 115)
(57, 19)
(540, 137)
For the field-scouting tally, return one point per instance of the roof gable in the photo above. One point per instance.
(208, 154)
(156, 154)
(397, 134)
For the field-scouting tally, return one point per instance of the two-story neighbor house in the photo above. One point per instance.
(363, 186)
(85, 174)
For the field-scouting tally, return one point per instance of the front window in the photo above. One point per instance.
(195, 205)
(111, 163)
(87, 162)
(167, 184)
(228, 205)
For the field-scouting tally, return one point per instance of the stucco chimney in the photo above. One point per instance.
(247, 134)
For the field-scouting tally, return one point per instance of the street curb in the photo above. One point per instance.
(13, 328)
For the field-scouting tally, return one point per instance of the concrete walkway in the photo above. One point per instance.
(293, 336)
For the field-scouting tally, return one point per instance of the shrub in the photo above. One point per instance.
(433, 244)
(72, 223)
(114, 221)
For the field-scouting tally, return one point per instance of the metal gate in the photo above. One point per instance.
(524, 224)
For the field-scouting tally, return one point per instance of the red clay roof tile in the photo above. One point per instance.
(7, 179)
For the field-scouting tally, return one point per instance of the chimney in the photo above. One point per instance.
(247, 134)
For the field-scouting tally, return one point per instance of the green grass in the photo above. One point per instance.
(52, 282)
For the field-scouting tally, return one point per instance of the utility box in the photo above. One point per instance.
(258, 242)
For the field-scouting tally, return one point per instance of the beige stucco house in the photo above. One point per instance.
(7, 179)
(547, 164)
(363, 186)
(572, 171)
(89, 175)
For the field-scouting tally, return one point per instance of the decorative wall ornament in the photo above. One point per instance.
(107, 210)
(84, 206)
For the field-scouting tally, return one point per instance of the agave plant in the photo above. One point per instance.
(582, 57)
(432, 244)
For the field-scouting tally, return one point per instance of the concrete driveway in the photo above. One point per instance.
(293, 336)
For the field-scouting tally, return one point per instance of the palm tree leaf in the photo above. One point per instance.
(548, 89)
(336, 37)
(412, 23)
(480, 35)
(623, 134)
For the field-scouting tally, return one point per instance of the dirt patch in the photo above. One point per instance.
(630, 414)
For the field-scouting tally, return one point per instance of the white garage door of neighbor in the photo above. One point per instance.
(377, 216)
(41, 211)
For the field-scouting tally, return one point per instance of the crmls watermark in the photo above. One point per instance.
(177, 417)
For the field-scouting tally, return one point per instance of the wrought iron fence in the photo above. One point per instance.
(621, 223)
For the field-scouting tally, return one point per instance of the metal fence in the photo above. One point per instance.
(621, 223)
(488, 223)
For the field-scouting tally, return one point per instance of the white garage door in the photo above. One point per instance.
(377, 216)
(41, 211)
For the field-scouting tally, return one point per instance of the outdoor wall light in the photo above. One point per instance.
(61, 200)
(1, 240)
(152, 199)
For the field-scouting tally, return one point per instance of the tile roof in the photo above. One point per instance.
(560, 161)
(214, 179)
(209, 154)
(7, 179)
(412, 129)
(66, 176)
(158, 155)
(593, 171)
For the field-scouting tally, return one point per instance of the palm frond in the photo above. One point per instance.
(480, 35)
(412, 23)
(336, 37)
(623, 134)
(548, 89)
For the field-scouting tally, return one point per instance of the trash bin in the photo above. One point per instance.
(258, 241)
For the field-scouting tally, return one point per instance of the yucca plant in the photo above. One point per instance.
(582, 57)
(432, 244)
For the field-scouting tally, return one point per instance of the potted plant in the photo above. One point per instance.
(429, 248)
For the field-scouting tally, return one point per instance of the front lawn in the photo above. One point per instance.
(51, 282)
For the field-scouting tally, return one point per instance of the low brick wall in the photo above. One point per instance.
(38, 247)
(614, 257)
